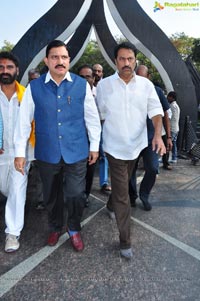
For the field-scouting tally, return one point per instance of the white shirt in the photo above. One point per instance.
(10, 112)
(27, 109)
(124, 107)
(175, 117)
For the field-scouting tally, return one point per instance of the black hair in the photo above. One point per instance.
(10, 56)
(172, 94)
(83, 67)
(53, 44)
(126, 45)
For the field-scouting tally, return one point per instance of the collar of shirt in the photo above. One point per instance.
(49, 77)
(116, 75)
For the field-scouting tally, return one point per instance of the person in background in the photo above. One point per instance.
(150, 157)
(124, 101)
(98, 73)
(171, 97)
(86, 72)
(12, 184)
(65, 114)
(1, 133)
(33, 74)
(34, 175)
(103, 161)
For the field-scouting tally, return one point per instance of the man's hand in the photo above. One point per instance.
(169, 144)
(158, 145)
(20, 164)
(93, 156)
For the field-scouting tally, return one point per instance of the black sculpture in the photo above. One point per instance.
(78, 16)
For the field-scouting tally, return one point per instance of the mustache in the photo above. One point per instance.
(126, 67)
(60, 65)
(6, 74)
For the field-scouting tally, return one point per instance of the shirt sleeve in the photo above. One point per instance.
(23, 125)
(154, 104)
(92, 120)
(163, 99)
(1, 131)
(100, 101)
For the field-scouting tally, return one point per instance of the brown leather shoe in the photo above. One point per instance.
(53, 238)
(77, 242)
(106, 188)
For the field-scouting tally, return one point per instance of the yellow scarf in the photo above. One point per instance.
(20, 92)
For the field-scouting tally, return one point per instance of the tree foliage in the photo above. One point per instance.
(7, 46)
(92, 55)
(183, 44)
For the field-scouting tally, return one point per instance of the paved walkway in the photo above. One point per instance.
(166, 243)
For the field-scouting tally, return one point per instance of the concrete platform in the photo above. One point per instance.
(166, 244)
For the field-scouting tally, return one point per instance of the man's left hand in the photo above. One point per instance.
(93, 156)
(158, 146)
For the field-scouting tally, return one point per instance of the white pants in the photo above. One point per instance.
(13, 185)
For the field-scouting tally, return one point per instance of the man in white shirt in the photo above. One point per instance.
(12, 184)
(171, 97)
(65, 114)
(124, 100)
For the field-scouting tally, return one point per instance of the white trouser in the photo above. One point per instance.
(13, 185)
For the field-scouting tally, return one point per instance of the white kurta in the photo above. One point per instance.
(12, 183)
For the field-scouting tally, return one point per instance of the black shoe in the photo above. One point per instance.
(133, 202)
(147, 205)
(167, 167)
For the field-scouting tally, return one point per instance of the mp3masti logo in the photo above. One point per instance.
(179, 6)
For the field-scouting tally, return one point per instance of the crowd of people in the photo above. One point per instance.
(62, 123)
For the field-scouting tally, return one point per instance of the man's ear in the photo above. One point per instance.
(46, 61)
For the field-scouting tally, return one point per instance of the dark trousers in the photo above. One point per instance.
(63, 179)
(120, 172)
(165, 157)
(89, 178)
(151, 165)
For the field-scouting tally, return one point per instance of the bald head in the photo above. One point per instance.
(142, 70)
(98, 73)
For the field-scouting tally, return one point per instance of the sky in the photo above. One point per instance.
(17, 16)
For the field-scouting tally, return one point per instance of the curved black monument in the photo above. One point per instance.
(72, 20)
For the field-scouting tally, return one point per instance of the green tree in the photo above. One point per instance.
(182, 43)
(91, 56)
(187, 46)
(7, 46)
(196, 53)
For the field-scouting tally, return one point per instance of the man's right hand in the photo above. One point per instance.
(20, 164)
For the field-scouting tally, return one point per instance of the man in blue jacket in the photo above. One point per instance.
(65, 115)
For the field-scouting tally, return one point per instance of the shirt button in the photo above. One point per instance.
(58, 96)
(60, 137)
(59, 123)
(59, 110)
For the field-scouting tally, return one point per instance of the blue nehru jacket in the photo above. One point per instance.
(60, 129)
